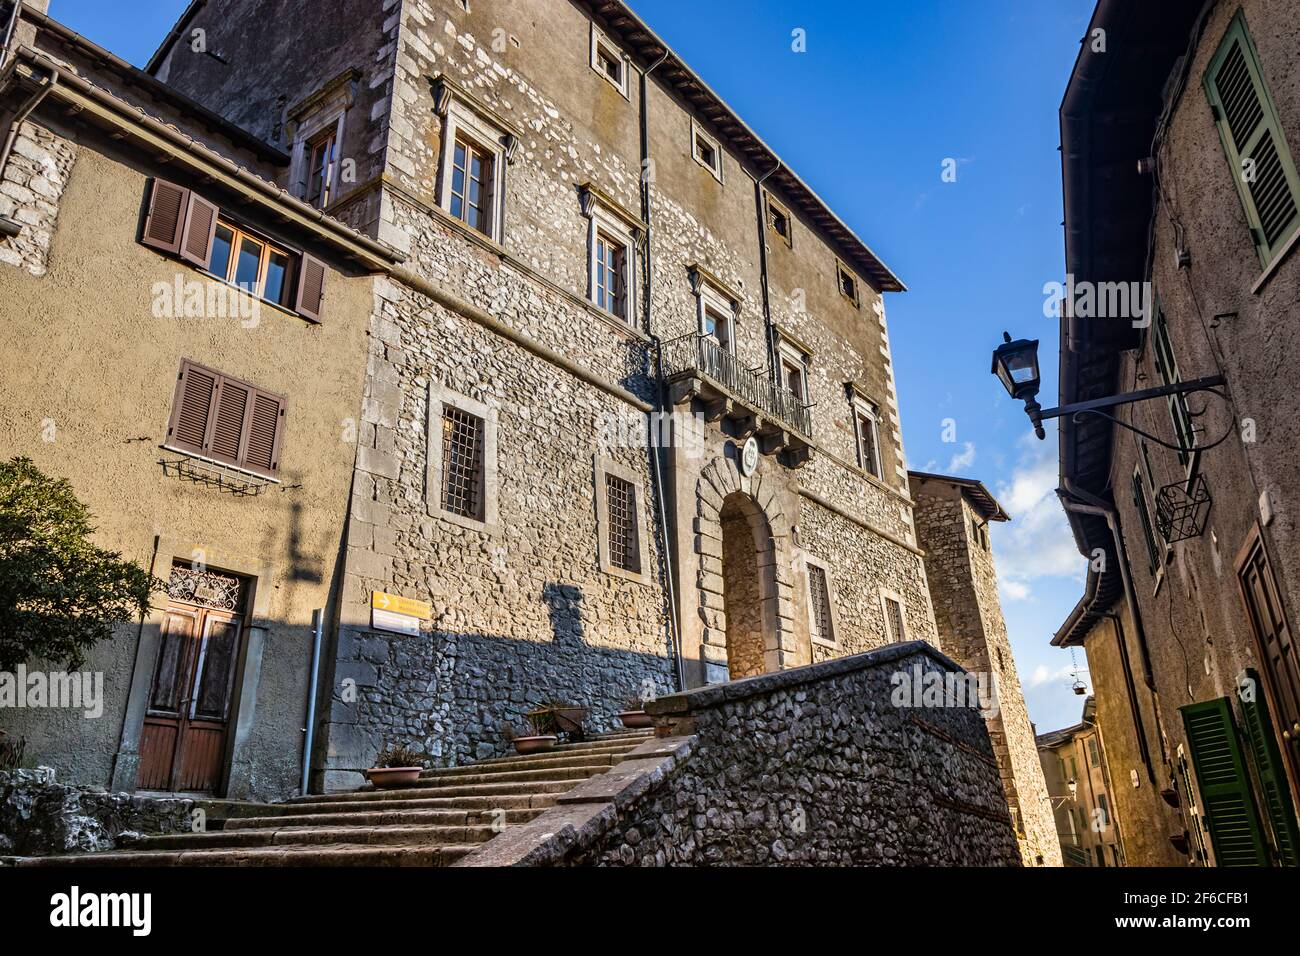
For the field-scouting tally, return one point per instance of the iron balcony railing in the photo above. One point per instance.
(697, 354)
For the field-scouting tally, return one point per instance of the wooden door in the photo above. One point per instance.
(1276, 646)
(183, 745)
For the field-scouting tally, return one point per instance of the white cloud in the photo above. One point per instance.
(1043, 675)
(1014, 590)
(1038, 542)
(962, 459)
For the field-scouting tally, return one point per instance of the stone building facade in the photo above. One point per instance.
(1185, 506)
(744, 309)
(953, 516)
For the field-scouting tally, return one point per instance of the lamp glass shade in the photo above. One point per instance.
(1016, 365)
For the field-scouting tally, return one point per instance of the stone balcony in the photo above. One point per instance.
(697, 367)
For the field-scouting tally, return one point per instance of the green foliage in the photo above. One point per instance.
(59, 593)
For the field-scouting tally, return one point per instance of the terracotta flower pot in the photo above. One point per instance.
(634, 719)
(389, 778)
(532, 745)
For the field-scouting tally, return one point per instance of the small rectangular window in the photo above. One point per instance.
(868, 435)
(778, 220)
(608, 60)
(897, 631)
(706, 151)
(462, 463)
(1094, 758)
(624, 546)
(848, 283)
(322, 156)
(471, 185)
(819, 599)
(610, 280)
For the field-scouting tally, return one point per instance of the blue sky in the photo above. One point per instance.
(884, 94)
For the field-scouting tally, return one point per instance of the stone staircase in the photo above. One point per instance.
(442, 817)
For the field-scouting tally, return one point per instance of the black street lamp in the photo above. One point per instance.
(1016, 366)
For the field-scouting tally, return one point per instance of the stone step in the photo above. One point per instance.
(319, 835)
(362, 818)
(598, 761)
(338, 854)
(414, 800)
(566, 750)
(424, 788)
(575, 773)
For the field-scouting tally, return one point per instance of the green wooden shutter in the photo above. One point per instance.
(1272, 774)
(1229, 808)
(1252, 137)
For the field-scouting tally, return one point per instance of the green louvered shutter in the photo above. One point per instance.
(1225, 789)
(1272, 775)
(1253, 139)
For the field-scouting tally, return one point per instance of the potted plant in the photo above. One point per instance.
(633, 715)
(539, 736)
(559, 717)
(396, 766)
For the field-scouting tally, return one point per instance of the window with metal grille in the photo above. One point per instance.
(471, 185)
(894, 620)
(819, 595)
(624, 546)
(462, 463)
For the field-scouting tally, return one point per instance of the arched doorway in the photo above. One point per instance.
(747, 597)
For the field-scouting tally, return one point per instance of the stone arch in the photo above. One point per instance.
(727, 505)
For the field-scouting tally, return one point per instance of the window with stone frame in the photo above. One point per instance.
(462, 463)
(610, 62)
(609, 281)
(705, 150)
(793, 369)
(717, 314)
(473, 162)
(624, 546)
(847, 282)
(322, 162)
(779, 221)
(866, 425)
(613, 241)
(895, 624)
(821, 613)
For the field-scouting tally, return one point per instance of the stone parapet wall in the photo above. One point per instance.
(810, 766)
(34, 179)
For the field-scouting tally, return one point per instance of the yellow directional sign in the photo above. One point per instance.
(400, 605)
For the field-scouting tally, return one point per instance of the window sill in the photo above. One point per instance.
(636, 577)
(256, 299)
(492, 529)
(1272, 268)
(822, 642)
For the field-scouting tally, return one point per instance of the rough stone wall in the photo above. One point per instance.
(817, 766)
(40, 816)
(34, 179)
(963, 586)
(523, 612)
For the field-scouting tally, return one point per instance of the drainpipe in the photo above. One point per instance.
(50, 81)
(769, 328)
(9, 32)
(655, 451)
(317, 630)
(1082, 502)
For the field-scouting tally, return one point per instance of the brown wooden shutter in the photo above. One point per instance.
(232, 406)
(192, 408)
(165, 222)
(311, 288)
(198, 232)
(265, 425)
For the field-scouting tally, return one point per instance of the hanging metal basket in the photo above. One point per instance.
(1181, 512)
